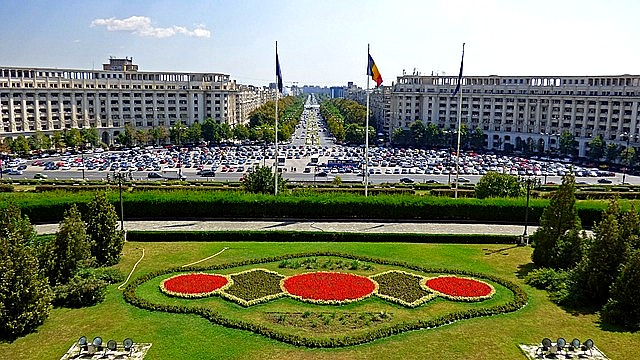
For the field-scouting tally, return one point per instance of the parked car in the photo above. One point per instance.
(207, 173)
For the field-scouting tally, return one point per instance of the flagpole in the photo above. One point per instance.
(459, 123)
(366, 140)
(277, 96)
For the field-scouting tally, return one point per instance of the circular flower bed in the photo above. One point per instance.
(457, 288)
(194, 284)
(328, 287)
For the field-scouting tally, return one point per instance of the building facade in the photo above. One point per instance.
(48, 100)
(518, 108)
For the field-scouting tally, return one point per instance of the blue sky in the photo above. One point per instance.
(324, 42)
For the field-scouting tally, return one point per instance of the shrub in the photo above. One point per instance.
(623, 308)
(102, 222)
(494, 184)
(80, 291)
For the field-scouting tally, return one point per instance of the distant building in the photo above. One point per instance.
(337, 92)
(48, 100)
(512, 109)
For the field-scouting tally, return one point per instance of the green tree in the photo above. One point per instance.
(567, 144)
(612, 152)
(37, 141)
(20, 145)
(57, 140)
(558, 221)
(401, 137)
(240, 132)
(623, 307)
(418, 133)
(608, 250)
(159, 134)
(432, 135)
(70, 249)
(73, 138)
(25, 295)
(261, 180)
(194, 133)
(178, 132)
(209, 129)
(494, 184)
(90, 136)
(102, 221)
(476, 139)
(225, 131)
(127, 137)
(596, 148)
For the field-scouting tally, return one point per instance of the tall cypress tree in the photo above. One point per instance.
(623, 308)
(70, 249)
(558, 237)
(102, 227)
(608, 250)
(25, 295)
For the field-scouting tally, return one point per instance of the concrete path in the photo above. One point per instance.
(328, 226)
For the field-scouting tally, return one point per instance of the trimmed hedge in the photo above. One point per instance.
(188, 204)
(296, 236)
(519, 300)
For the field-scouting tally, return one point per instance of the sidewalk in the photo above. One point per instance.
(328, 226)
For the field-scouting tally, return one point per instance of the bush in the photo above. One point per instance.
(80, 292)
(623, 308)
(494, 184)
(6, 188)
(557, 283)
(110, 276)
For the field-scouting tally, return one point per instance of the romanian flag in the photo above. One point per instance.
(372, 70)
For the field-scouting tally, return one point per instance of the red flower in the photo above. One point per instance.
(199, 284)
(329, 287)
(460, 287)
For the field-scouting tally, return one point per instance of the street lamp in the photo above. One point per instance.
(120, 176)
(529, 183)
(626, 160)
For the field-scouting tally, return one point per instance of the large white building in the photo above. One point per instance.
(46, 100)
(518, 108)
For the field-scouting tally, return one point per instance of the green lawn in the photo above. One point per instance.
(191, 337)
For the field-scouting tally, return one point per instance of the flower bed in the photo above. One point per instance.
(194, 285)
(328, 287)
(402, 288)
(253, 286)
(459, 288)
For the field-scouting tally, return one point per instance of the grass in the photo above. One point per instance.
(191, 337)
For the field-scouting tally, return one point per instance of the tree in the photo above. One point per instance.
(596, 148)
(90, 136)
(20, 145)
(494, 184)
(126, 138)
(209, 129)
(608, 250)
(37, 141)
(57, 140)
(612, 152)
(25, 295)
(476, 139)
(240, 132)
(261, 180)
(194, 133)
(418, 133)
(178, 132)
(401, 137)
(73, 138)
(567, 143)
(623, 308)
(432, 135)
(70, 249)
(226, 132)
(557, 221)
(102, 221)
(159, 133)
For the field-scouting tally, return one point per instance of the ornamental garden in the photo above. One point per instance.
(370, 299)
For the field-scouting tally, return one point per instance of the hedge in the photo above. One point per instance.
(519, 300)
(188, 204)
(303, 236)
